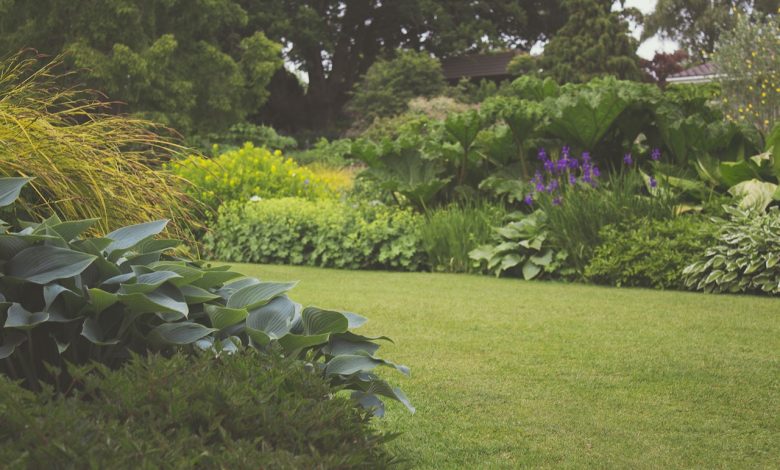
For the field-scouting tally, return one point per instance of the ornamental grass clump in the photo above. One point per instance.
(87, 164)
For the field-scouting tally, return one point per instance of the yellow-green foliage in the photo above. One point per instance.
(238, 175)
(85, 163)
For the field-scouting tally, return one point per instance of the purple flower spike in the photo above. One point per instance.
(529, 200)
(553, 186)
(563, 163)
(586, 157)
(549, 166)
(655, 154)
(565, 152)
(572, 179)
(556, 201)
(627, 159)
(542, 154)
(653, 182)
(596, 172)
(539, 186)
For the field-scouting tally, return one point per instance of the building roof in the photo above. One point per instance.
(477, 65)
(700, 73)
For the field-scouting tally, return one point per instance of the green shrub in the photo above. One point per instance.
(239, 134)
(649, 253)
(238, 175)
(333, 153)
(388, 85)
(64, 299)
(522, 248)
(450, 233)
(744, 258)
(242, 410)
(317, 233)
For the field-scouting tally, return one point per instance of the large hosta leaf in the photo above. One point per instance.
(257, 295)
(70, 230)
(179, 333)
(44, 264)
(754, 194)
(18, 317)
(273, 320)
(349, 364)
(148, 282)
(223, 317)
(92, 330)
(10, 189)
(10, 342)
(165, 299)
(127, 237)
(317, 321)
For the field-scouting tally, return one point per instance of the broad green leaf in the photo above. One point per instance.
(733, 173)
(179, 333)
(196, 295)
(317, 321)
(44, 264)
(187, 274)
(292, 342)
(351, 364)
(10, 342)
(372, 384)
(166, 299)
(92, 330)
(339, 346)
(212, 279)
(101, 299)
(70, 230)
(274, 320)
(355, 320)
(148, 282)
(544, 259)
(754, 194)
(223, 317)
(127, 237)
(19, 317)
(10, 189)
(256, 295)
(530, 270)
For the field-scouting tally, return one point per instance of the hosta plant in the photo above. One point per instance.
(745, 256)
(67, 299)
(521, 246)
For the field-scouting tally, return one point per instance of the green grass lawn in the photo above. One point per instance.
(507, 373)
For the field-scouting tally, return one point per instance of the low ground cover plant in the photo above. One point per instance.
(241, 174)
(326, 233)
(744, 257)
(650, 253)
(67, 299)
(242, 410)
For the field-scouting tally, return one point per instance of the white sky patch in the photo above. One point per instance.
(654, 44)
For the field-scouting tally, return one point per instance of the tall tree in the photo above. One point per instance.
(595, 41)
(336, 41)
(697, 24)
(192, 64)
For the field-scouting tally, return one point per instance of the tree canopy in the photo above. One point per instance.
(198, 66)
(336, 41)
(697, 24)
(595, 41)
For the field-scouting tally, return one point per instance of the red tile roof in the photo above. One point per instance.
(477, 65)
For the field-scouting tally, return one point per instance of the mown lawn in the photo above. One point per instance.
(507, 373)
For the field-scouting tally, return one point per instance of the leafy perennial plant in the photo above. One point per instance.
(66, 299)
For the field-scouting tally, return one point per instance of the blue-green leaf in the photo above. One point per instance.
(10, 189)
(179, 333)
(127, 237)
(44, 264)
(256, 295)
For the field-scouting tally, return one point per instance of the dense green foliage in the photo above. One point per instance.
(239, 134)
(594, 41)
(240, 174)
(239, 411)
(450, 233)
(388, 85)
(744, 258)
(323, 233)
(649, 253)
(71, 300)
(336, 42)
(521, 248)
(87, 164)
(197, 67)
